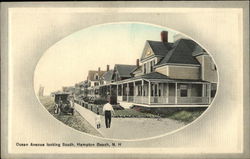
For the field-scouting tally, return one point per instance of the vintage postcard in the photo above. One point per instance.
(124, 80)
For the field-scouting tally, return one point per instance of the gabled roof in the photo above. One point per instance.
(160, 48)
(91, 74)
(124, 70)
(107, 76)
(182, 53)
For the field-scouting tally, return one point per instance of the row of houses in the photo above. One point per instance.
(167, 74)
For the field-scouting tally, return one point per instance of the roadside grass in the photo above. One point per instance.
(76, 121)
(121, 113)
(185, 116)
(130, 113)
(181, 114)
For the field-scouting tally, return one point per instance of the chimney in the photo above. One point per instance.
(107, 68)
(137, 62)
(99, 69)
(164, 36)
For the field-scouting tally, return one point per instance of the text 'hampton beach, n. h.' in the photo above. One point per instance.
(113, 144)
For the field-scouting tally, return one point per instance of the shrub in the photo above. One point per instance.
(186, 116)
(100, 101)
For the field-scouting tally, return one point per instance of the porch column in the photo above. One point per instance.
(117, 87)
(110, 90)
(127, 91)
(209, 92)
(142, 90)
(122, 90)
(203, 90)
(149, 92)
(153, 89)
(157, 92)
(189, 90)
(135, 93)
(176, 93)
(167, 93)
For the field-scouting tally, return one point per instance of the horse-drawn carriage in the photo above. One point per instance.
(64, 103)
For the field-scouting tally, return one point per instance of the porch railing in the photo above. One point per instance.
(130, 98)
(163, 100)
(192, 100)
(119, 98)
(171, 99)
(124, 98)
(141, 99)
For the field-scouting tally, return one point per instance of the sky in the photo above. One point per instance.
(68, 61)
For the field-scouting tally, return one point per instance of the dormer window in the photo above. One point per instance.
(96, 77)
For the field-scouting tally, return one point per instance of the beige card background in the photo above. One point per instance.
(30, 29)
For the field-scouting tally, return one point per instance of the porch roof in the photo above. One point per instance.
(158, 77)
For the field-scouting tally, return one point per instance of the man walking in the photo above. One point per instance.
(107, 109)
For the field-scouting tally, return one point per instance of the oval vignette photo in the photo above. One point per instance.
(126, 80)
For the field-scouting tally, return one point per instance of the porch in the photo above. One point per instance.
(164, 92)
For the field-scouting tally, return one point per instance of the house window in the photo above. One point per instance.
(144, 68)
(119, 90)
(159, 93)
(139, 90)
(183, 90)
(155, 90)
(150, 66)
(152, 63)
(196, 90)
(96, 83)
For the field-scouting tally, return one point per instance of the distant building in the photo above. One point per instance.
(79, 88)
(93, 82)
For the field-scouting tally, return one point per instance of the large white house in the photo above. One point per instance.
(170, 74)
